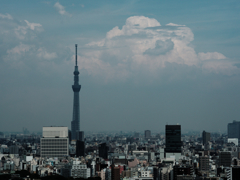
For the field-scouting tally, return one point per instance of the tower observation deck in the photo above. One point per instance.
(75, 124)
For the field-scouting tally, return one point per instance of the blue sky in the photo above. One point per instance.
(142, 64)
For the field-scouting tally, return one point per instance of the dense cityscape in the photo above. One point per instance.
(60, 153)
(120, 90)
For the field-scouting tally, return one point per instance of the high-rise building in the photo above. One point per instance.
(147, 134)
(225, 159)
(235, 173)
(80, 148)
(80, 135)
(14, 149)
(204, 163)
(173, 141)
(205, 137)
(103, 150)
(234, 129)
(54, 142)
(115, 172)
(75, 124)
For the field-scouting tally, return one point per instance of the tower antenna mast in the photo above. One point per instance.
(76, 53)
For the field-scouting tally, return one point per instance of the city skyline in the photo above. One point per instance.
(143, 65)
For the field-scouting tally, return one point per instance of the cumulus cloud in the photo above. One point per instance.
(7, 16)
(42, 53)
(143, 44)
(61, 9)
(23, 29)
(210, 55)
(22, 48)
(33, 26)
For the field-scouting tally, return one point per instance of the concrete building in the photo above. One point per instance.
(233, 140)
(79, 170)
(13, 149)
(205, 137)
(54, 142)
(234, 129)
(80, 135)
(204, 163)
(147, 134)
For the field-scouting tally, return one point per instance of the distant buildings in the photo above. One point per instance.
(54, 142)
(147, 134)
(234, 129)
(205, 137)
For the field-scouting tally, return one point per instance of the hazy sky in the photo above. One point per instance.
(142, 64)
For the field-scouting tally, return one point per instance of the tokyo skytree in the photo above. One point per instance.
(75, 124)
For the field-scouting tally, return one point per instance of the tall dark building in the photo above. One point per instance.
(225, 159)
(147, 134)
(103, 150)
(75, 124)
(80, 148)
(204, 163)
(234, 129)
(205, 137)
(235, 173)
(173, 139)
(115, 173)
(80, 135)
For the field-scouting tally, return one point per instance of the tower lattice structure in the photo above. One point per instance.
(75, 124)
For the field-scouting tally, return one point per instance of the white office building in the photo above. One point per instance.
(80, 170)
(54, 142)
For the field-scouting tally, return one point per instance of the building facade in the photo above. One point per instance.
(147, 134)
(205, 137)
(234, 129)
(54, 142)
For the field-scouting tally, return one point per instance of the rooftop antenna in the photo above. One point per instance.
(76, 54)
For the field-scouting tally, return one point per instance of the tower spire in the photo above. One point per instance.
(76, 54)
(75, 124)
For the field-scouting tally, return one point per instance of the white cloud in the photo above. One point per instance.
(142, 44)
(7, 16)
(172, 24)
(32, 26)
(42, 53)
(210, 55)
(22, 30)
(61, 9)
(220, 67)
(22, 48)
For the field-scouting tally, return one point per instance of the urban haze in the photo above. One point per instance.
(120, 90)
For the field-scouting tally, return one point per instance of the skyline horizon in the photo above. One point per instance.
(142, 64)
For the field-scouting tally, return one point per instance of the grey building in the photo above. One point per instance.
(147, 134)
(13, 149)
(204, 163)
(80, 135)
(234, 129)
(54, 142)
(205, 137)
(75, 124)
